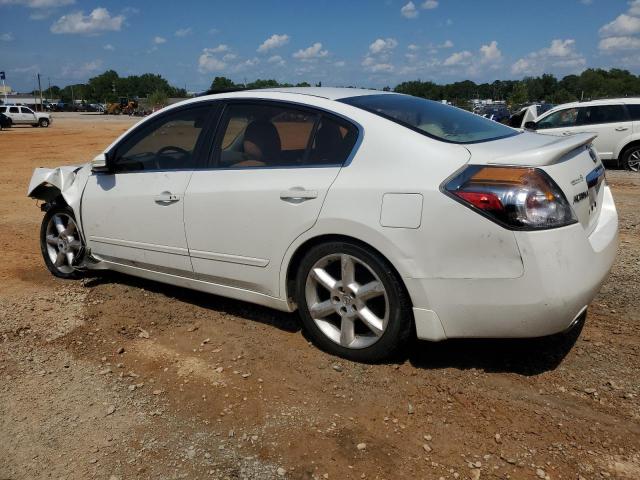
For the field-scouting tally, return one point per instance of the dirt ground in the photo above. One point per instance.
(111, 377)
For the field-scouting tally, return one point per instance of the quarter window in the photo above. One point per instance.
(256, 136)
(168, 144)
(13, 109)
(602, 114)
(634, 111)
(560, 119)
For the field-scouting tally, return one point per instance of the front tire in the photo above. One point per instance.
(352, 303)
(43, 122)
(631, 159)
(60, 242)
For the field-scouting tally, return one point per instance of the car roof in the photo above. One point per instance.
(604, 101)
(330, 93)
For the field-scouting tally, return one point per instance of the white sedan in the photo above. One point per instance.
(380, 217)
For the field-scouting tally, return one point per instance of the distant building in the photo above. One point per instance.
(6, 90)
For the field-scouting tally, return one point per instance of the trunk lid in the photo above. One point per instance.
(569, 161)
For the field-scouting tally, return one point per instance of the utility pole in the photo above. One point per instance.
(73, 100)
(49, 80)
(40, 89)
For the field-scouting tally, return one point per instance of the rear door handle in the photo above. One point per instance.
(166, 197)
(298, 195)
(621, 129)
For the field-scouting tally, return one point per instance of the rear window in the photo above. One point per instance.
(433, 119)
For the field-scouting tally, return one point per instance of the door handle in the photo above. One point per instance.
(166, 197)
(298, 195)
(566, 133)
(621, 129)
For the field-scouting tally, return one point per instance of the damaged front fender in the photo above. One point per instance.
(67, 182)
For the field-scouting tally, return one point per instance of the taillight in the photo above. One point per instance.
(522, 198)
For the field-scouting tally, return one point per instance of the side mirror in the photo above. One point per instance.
(100, 163)
(531, 125)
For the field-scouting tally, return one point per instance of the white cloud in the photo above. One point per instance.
(634, 7)
(614, 44)
(413, 47)
(311, 53)
(339, 63)
(490, 53)
(99, 20)
(621, 26)
(229, 56)
(274, 41)
(409, 10)
(219, 49)
(109, 47)
(183, 32)
(458, 58)
(372, 65)
(38, 3)
(560, 54)
(381, 45)
(159, 40)
(81, 71)
(447, 44)
(430, 4)
(7, 37)
(29, 69)
(378, 58)
(277, 60)
(208, 62)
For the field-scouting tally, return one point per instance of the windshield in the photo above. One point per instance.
(434, 119)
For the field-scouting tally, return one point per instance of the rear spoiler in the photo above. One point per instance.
(548, 154)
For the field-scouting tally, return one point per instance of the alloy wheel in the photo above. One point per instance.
(634, 161)
(347, 301)
(63, 242)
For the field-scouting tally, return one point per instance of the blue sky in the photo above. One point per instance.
(357, 42)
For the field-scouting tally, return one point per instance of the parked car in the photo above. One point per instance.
(615, 121)
(5, 122)
(497, 113)
(378, 216)
(20, 115)
(528, 113)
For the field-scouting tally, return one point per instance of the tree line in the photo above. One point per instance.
(590, 84)
(109, 87)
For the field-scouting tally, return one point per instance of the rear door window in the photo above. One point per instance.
(599, 114)
(265, 135)
(13, 109)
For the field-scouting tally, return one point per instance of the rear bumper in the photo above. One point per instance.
(563, 271)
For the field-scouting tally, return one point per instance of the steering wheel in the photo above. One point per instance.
(169, 148)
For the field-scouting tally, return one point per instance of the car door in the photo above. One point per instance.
(272, 166)
(560, 122)
(14, 114)
(27, 116)
(610, 122)
(133, 215)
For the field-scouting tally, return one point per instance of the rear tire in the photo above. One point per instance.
(60, 242)
(631, 159)
(352, 303)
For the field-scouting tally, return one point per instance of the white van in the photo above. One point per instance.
(616, 121)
